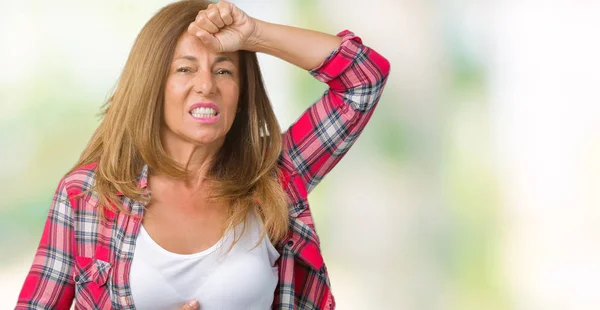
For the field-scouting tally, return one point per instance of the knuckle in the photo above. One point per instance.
(223, 6)
(225, 14)
(212, 13)
(201, 15)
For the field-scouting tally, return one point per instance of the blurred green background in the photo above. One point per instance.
(475, 185)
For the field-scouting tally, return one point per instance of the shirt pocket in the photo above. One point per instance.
(310, 255)
(91, 289)
(306, 251)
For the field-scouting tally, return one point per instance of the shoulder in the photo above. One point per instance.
(79, 182)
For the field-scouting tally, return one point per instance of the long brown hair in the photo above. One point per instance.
(245, 173)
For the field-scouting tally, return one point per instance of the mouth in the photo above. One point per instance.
(205, 111)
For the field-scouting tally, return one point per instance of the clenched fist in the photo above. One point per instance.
(192, 305)
(223, 27)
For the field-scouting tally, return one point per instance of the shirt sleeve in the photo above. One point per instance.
(49, 284)
(314, 144)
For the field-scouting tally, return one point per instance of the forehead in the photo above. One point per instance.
(189, 45)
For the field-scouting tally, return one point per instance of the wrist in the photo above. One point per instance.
(256, 39)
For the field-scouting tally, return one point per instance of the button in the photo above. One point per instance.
(290, 243)
(76, 278)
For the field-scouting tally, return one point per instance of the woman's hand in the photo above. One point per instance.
(223, 27)
(191, 305)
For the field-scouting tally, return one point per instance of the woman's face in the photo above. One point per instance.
(201, 94)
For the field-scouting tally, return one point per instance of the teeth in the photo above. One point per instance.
(203, 112)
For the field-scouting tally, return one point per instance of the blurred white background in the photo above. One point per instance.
(475, 186)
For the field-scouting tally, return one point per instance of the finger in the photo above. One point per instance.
(225, 12)
(207, 38)
(192, 305)
(192, 29)
(203, 22)
(214, 15)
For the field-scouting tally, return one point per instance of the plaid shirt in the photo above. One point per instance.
(87, 261)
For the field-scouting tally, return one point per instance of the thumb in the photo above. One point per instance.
(191, 305)
(209, 40)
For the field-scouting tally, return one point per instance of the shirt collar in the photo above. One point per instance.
(142, 179)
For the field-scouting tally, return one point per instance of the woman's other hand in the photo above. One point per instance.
(191, 305)
(224, 27)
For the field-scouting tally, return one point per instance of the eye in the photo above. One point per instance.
(224, 72)
(184, 69)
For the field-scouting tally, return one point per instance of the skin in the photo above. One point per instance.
(180, 218)
(198, 74)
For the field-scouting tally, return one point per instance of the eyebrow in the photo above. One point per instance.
(217, 60)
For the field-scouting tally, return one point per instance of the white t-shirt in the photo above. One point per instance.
(240, 279)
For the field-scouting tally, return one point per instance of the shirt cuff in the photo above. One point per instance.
(340, 59)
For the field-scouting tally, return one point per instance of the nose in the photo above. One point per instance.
(204, 82)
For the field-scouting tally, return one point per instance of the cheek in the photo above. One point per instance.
(174, 98)
(173, 92)
(230, 93)
(171, 106)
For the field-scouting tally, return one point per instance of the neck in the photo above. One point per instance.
(198, 159)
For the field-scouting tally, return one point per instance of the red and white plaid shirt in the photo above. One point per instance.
(80, 259)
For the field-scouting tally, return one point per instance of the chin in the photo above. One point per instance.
(205, 139)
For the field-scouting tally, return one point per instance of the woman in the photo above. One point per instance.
(187, 196)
